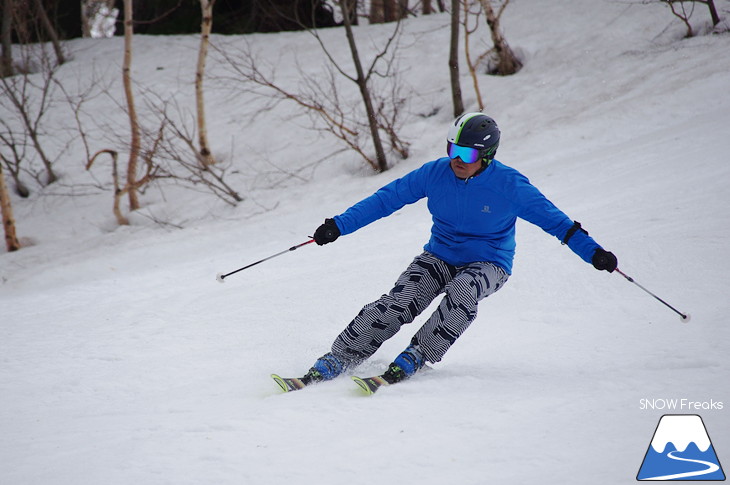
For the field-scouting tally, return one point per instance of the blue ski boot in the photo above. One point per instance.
(325, 368)
(405, 365)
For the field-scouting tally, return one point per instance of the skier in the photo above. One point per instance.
(475, 201)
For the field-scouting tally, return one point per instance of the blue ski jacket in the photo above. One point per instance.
(473, 219)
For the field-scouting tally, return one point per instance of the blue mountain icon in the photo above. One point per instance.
(681, 450)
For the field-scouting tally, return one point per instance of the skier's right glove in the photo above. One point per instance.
(327, 232)
(604, 260)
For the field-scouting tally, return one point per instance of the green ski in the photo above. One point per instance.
(289, 384)
(370, 385)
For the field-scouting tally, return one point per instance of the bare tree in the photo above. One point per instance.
(206, 6)
(29, 146)
(6, 208)
(76, 99)
(29, 20)
(168, 153)
(387, 11)
(683, 10)
(50, 31)
(15, 144)
(377, 113)
(162, 147)
(176, 154)
(377, 12)
(30, 98)
(428, 8)
(135, 183)
(132, 182)
(679, 11)
(362, 80)
(713, 11)
(118, 190)
(6, 39)
(456, 99)
(506, 61)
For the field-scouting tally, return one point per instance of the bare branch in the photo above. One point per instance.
(118, 191)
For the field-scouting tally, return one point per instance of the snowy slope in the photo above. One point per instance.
(122, 360)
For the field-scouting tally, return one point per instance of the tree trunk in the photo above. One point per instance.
(713, 12)
(456, 98)
(402, 9)
(507, 62)
(206, 6)
(362, 83)
(6, 33)
(389, 10)
(377, 11)
(11, 239)
(392, 10)
(85, 20)
(118, 191)
(48, 27)
(133, 122)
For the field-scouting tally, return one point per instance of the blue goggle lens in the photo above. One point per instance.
(466, 154)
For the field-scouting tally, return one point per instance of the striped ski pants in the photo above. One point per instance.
(424, 279)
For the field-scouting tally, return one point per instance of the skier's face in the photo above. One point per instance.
(464, 170)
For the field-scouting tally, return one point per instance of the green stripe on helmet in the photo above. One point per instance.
(463, 124)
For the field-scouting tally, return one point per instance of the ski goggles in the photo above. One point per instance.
(466, 154)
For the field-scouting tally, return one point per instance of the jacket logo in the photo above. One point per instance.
(486, 209)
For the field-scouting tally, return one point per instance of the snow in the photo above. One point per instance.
(123, 360)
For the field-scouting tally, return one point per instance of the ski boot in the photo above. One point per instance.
(405, 365)
(325, 368)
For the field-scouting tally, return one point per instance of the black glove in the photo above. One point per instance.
(604, 260)
(327, 232)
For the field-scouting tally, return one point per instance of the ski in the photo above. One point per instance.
(393, 375)
(370, 385)
(289, 384)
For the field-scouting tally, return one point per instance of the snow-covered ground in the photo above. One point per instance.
(122, 360)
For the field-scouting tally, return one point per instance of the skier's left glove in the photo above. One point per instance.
(327, 232)
(604, 260)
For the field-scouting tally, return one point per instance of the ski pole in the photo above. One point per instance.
(220, 276)
(685, 317)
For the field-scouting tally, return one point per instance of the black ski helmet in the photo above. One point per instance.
(475, 130)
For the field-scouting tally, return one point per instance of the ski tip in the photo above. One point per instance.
(362, 384)
(288, 384)
(280, 381)
(369, 385)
